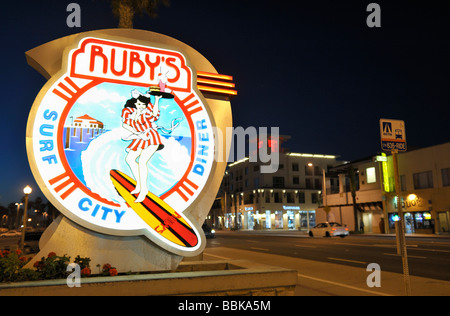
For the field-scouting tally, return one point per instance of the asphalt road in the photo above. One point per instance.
(427, 257)
(10, 243)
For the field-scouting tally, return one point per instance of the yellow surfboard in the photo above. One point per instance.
(156, 213)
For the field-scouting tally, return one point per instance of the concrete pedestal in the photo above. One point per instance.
(136, 254)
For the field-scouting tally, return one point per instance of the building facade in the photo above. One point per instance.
(424, 192)
(86, 121)
(286, 199)
(81, 131)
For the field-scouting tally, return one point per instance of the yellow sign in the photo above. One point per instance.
(386, 181)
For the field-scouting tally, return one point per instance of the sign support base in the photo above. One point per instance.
(135, 253)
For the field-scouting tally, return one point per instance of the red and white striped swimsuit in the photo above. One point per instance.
(142, 124)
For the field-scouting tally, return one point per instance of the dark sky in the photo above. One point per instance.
(312, 68)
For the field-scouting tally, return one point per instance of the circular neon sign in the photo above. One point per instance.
(122, 142)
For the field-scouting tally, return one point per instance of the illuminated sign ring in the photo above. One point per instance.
(77, 142)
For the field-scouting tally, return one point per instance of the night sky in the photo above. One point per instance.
(312, 68)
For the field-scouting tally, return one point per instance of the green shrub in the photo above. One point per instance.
(11, 264)
(52, 267)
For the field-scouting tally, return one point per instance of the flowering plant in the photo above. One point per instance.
(11, 264)
(86, 272)
(50, 267)
(108, 270)
(82, 262)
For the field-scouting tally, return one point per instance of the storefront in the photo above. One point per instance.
(418, 214)
(444, 223)
(230, 221)
(307, 219)
(415, 222)
(250, 218)
(278, 219)
(290, 217)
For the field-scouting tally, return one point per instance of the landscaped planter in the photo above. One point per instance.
(191, 278)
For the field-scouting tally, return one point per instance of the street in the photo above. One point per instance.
(9, 243)
(343, 260)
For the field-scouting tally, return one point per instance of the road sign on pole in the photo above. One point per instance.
(393, 139)
(393, 135)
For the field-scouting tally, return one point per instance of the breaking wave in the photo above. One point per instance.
(107, 152)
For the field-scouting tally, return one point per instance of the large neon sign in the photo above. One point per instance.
(121, 141)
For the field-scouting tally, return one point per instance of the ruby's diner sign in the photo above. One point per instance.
(120, 140)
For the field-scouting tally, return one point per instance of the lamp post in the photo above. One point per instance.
(27, 190)
(18, 208)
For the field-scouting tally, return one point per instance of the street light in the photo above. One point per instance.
(27, 190)
(18, 207)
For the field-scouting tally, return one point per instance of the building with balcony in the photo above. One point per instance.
(424, 192)
(286, 199)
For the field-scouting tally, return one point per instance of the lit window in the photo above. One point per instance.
(371, 175)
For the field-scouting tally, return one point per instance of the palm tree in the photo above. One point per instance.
(356, 208)
(126, 9)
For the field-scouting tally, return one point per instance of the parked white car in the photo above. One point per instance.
(11, 233)
(329, 230)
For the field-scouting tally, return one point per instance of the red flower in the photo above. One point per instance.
(86, 272)
(51, 254)
(106, 267)
(23, 259)
(38, 265)
(113, 272)
(18, 252)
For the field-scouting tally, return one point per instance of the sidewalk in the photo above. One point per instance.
(315, 278)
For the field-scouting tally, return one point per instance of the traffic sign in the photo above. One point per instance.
(393, 135)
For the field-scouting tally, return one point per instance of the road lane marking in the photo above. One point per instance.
(346, 260)
(435, 250)
(393, 246)
(305, 246)
(409, 256)
(256, 248)
(342, 285)
(439, 243)
(215, 256)
(349, 244)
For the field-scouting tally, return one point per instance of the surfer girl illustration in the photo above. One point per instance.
(138, 117)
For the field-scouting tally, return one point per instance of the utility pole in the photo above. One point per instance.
(27, 190)
(401, 240)
(351, 175)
